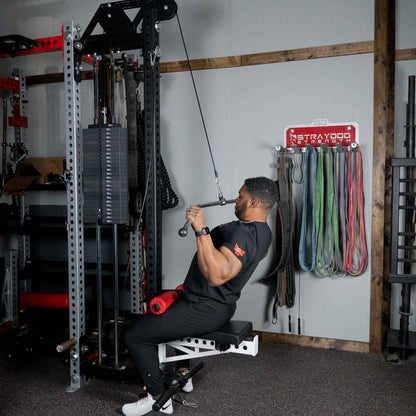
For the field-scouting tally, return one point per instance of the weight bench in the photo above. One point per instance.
(230, 338)
(233, 337)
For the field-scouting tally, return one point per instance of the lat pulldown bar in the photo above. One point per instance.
(183, 232)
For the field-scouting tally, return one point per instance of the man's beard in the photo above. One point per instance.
(240, 211)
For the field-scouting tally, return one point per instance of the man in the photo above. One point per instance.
(224, 261)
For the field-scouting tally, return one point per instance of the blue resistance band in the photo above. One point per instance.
(307, 235)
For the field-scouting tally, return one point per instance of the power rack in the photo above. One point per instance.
(120, 33)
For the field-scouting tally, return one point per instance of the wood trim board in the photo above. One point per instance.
(316, 342)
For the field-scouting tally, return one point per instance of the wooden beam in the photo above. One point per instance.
(316, 342)
(392, 54)
(383, 148)
(318, 52)
(199, 64)
(54, 78)
(328, 51)
(405, 54)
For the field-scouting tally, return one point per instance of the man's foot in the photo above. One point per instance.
(144, 406)
(188, 387)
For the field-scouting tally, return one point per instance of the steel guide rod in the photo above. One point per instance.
(75, 227)
(116, 299)
(99, 295)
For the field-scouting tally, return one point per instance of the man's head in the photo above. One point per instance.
(255, 199)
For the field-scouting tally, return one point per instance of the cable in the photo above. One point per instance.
(217, 180)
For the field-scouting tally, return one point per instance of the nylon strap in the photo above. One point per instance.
(283, 275)
(290, 281)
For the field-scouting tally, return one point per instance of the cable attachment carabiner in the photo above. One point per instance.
(221, 198)
(155, 54)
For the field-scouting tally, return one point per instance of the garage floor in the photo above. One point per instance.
(280, 380)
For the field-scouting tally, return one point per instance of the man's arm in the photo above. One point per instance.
(217, 266)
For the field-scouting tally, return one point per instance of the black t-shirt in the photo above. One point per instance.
(249, 242)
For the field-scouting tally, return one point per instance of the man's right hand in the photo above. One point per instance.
(196, 215)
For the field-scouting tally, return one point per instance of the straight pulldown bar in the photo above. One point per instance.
(183, 232)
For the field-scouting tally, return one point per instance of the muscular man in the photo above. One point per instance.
(224, 261)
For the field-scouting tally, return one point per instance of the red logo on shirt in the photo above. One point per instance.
(238, 251)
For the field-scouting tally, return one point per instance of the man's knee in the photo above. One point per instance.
(132, 334)
(138, 332)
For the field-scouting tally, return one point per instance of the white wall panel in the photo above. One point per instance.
(405, 24)
(233, 27)
(246, 110)
(250, 107)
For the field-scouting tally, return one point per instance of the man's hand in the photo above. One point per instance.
(196, 215)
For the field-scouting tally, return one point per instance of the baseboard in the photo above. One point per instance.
(316, 342)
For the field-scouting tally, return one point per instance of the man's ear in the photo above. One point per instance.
(254, 203)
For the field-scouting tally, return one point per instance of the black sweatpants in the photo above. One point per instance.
(183, 319)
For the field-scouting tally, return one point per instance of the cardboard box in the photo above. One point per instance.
(34, 170)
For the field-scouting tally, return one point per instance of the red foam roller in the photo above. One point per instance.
(44, 300)
(161, 303)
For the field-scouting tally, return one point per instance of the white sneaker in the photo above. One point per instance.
(144, 406)
(188, 387)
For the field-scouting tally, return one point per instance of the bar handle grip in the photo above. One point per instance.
(183, 232)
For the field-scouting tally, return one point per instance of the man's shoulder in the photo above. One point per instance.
(227, 226)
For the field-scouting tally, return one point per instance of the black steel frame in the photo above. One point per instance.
(403, 246)
(120, 33)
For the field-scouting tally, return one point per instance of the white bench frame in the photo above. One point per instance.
(200, 347)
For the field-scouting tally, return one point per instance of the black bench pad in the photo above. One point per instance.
(233, 333)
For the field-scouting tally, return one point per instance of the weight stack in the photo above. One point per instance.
(105, 174)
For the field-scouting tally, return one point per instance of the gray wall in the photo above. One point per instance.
(246, 111)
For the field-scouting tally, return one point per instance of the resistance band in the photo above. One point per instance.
(356, 250)
(324, 216)
(307, 234)
(340, 205)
